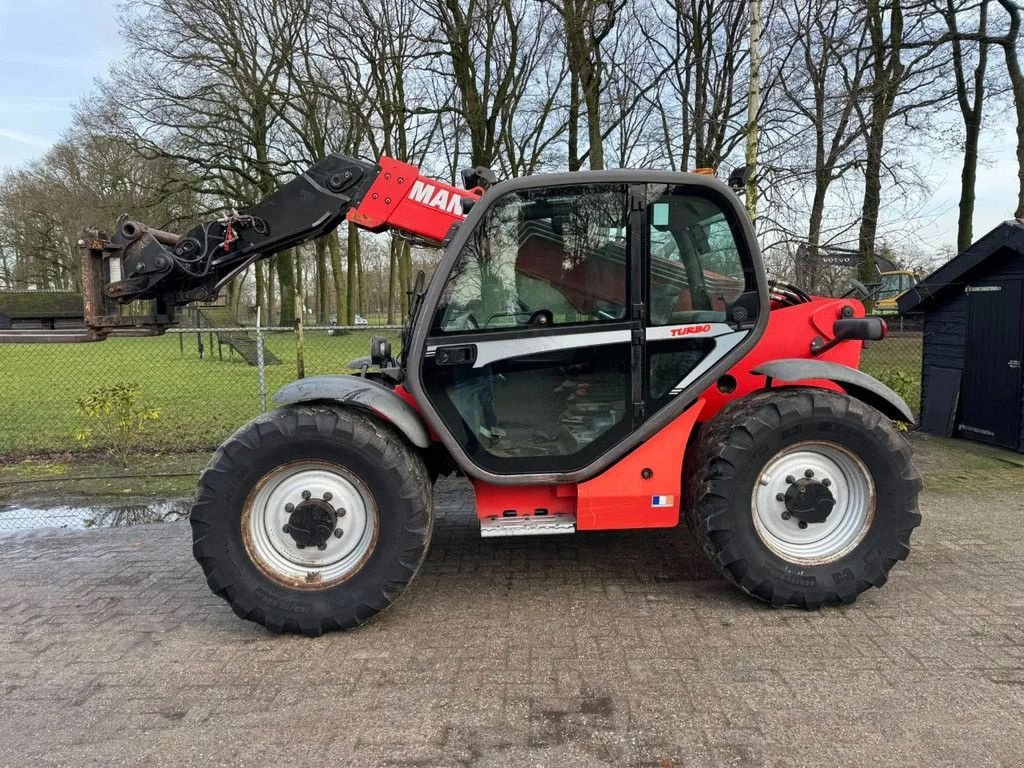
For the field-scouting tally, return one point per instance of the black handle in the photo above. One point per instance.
(463, 355)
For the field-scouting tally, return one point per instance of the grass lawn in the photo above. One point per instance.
(201, 401)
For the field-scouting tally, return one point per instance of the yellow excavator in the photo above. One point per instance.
(891, 285)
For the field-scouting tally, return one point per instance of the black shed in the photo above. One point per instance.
(35, 310)
(971, 383)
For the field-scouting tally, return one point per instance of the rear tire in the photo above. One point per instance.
(743, 486)
(312, 518)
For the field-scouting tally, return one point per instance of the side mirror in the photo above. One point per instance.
(380, 351)
(863, 328)
(481, 177)
(852, 328)
(739, 177)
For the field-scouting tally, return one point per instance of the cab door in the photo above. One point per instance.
(572, 322)
(702, 295)
(528, 357)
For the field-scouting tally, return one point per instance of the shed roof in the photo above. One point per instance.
(36, 304)
(1007, 236)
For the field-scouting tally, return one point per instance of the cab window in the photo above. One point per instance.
(696, 269)
(544, 257)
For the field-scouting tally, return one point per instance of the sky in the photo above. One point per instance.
(51, 51)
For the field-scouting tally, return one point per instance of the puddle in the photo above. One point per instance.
(99, 516)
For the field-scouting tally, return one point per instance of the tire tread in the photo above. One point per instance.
(363, 431)
(726, 443)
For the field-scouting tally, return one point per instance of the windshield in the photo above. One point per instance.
(892, 285)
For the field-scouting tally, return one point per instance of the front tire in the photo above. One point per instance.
(803, 497)
(312, 518)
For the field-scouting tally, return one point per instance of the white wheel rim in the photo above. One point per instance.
(849, 521)
(275, 552)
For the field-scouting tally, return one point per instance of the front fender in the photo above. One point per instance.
(359, 392)
(855, 383)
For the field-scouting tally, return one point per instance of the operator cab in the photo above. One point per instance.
(891, 285)
(569, 319)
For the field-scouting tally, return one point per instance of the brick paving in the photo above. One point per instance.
(594, 650)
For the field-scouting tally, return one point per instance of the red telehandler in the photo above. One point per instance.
(596, 350)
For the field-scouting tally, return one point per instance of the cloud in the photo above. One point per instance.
(27, 139)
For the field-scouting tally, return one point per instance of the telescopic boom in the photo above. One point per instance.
(138, 262)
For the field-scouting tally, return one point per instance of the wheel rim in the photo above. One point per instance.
(848, 482)
(309, 489)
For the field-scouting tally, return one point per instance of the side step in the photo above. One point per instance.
(527, 525)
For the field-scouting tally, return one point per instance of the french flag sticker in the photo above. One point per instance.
(662, 501)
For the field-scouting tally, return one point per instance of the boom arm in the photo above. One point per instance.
(142, 263)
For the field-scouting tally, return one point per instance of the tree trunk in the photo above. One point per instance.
(753, 106)
(334, 246)
(286, 280)
(1010, 47)
(592, 96)
(261, 293)
(971, 108)
(866, 270)
(298, 320)
(1018, 97)
(573, 125)
(353, 274)
(234, 289)
(392, 279)
(321, 282)
(808, 277)
(271, 319)
(968, 180)
(404, 277)
(361, 282)
(298, 293)
(886, 36)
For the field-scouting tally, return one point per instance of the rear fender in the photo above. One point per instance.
(359, 392)
(855, 383)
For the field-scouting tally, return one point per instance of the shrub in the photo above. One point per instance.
(900, 381)
(904, 384)
(118, 419)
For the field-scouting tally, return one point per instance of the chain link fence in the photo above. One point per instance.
(896, 360)
(192, 387)
(202, 383)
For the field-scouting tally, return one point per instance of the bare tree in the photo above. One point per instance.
(702, 101)
(970, 98)
(382, 54)
(905, 79)
(587, 24)
(490, 49)
(85, 179)
(1011, 43)
(198, 86)
(753, 106)
(821, 93)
